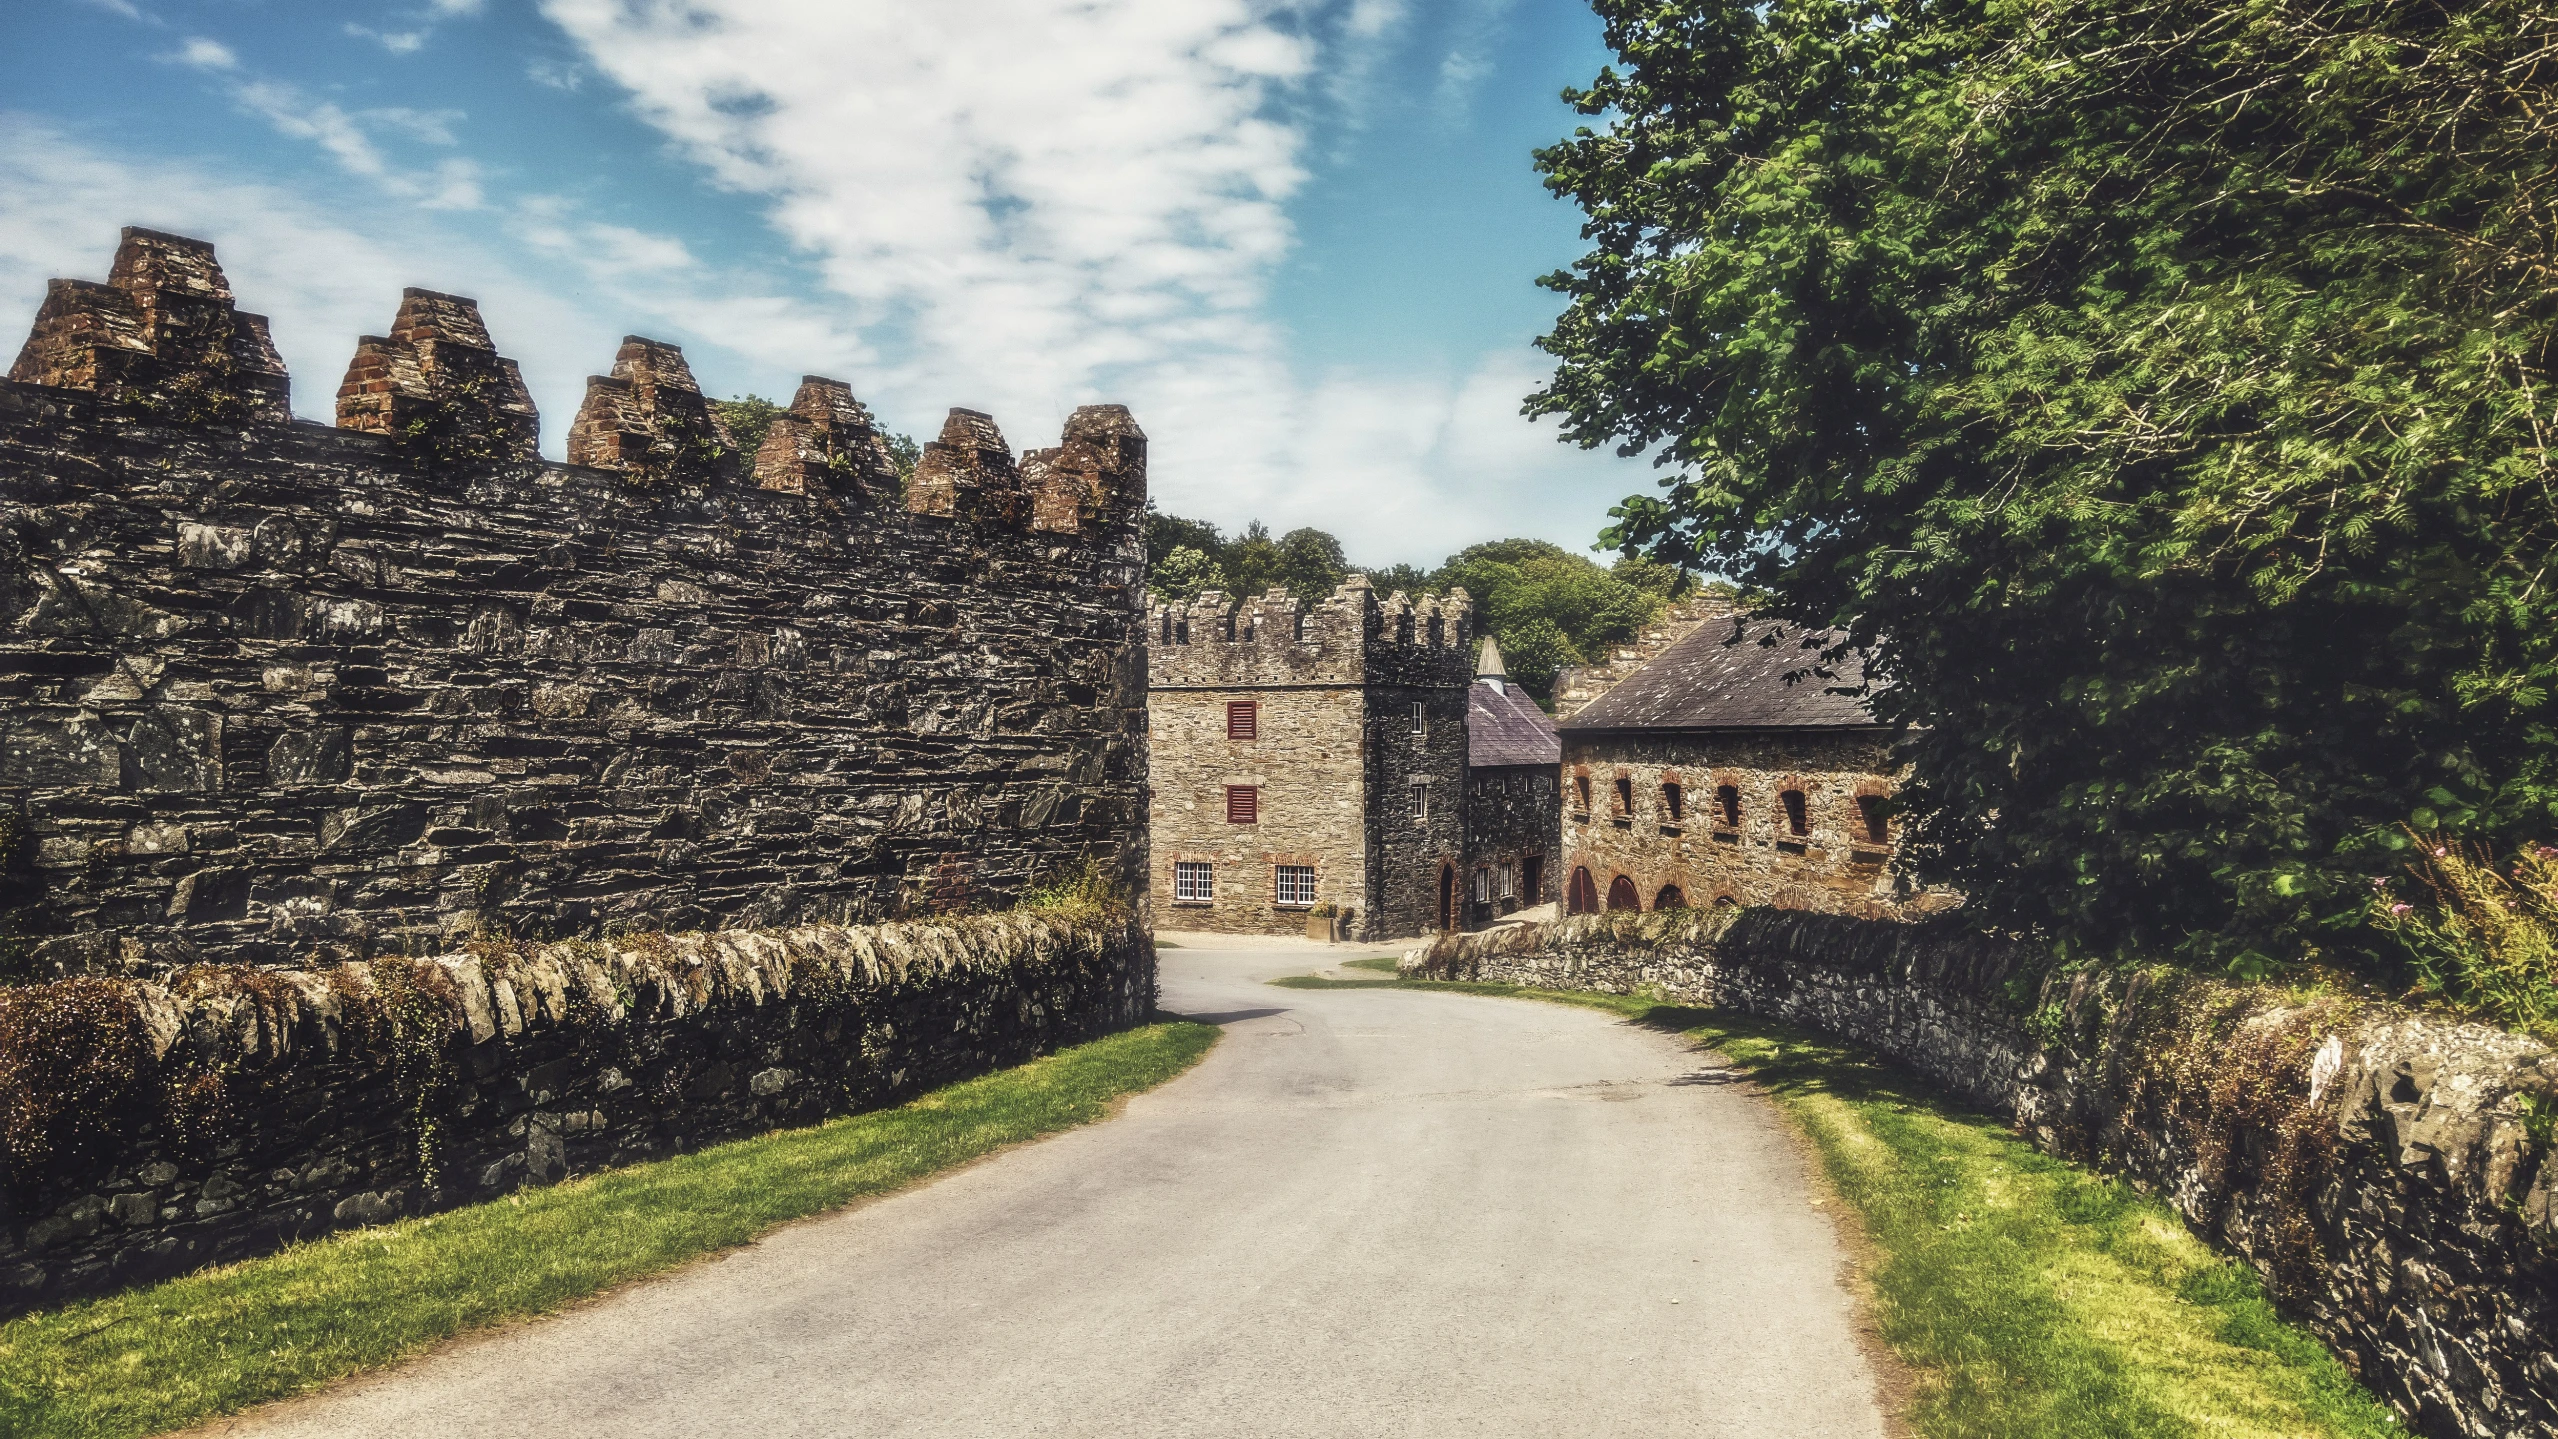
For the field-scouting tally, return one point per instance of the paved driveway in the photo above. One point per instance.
(1366, 1213)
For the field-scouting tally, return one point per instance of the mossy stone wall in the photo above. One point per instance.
(2386, 1171)
(147, 1129)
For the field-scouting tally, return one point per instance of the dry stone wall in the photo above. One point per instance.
(156, 1128)
(2389, 1173)
(279, 693)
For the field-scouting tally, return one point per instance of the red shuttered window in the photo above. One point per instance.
(1243, 804)
(1243, 720)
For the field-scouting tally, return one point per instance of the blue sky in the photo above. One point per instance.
(1299, 238)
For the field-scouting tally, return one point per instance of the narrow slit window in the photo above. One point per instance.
(1243, 719)
(1797, 822)
(1625, 796)
(1581, 787)
(1420, 719)
(1876, 812)
(1727, 799)
(1193, 881)
(1243, 804)
(1670, 803)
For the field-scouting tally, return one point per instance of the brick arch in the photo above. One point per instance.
(1623, 895)
(1583, 894)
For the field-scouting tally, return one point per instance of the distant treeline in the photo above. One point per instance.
(1547, 606)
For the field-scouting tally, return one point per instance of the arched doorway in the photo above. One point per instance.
(1585, 892)
(1623, 895)
(1447, 897)
(1670, 898)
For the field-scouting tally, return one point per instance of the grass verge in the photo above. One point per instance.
(218, 1341)
(2026, 1294)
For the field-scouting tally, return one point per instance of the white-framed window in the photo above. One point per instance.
(1292, 886)
(1508, 876)
(1194, 881)
(1482, 884)
(1420, 800)
(1420, 718)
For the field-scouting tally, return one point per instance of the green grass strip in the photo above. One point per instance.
(218, 1341)
(2027, 1295)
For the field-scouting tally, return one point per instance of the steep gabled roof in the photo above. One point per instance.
(1732, 674)
(1504, 726)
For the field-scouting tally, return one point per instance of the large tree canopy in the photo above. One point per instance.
(2160, 387)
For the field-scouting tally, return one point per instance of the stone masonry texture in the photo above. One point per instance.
(1837, 865)
(278, 693)
(2376, 1165)
(1345, 779)
(251, 1108)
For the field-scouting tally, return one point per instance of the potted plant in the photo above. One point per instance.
(1323, 922)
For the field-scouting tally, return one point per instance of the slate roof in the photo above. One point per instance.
(1711, 679)
(1504, 726)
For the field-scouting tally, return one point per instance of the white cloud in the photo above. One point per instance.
(206, 54)
(1051, 202)
(557, 74)
(324, 272)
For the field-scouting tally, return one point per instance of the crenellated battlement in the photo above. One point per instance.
(163, 339)
(438, 365)
(1348, 637)
(282, 692)
(162, 334)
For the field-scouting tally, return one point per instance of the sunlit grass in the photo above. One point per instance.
(2027, 1295)
(218, 1341)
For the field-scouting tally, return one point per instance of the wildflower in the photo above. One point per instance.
(2380, 881)
(2401, 907)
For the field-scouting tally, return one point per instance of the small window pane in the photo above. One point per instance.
(1193, 881)
(1294, 884)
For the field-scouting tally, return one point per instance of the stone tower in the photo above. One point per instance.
(1305, 754)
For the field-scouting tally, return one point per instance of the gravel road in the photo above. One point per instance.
(1368, 1212)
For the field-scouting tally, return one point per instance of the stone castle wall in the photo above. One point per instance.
(279, 693)
(1334, 756)
(156, 1128)
(2377, 1166)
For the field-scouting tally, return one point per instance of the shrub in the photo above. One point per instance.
(2482, 936)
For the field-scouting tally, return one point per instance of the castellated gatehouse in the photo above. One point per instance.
(1309, 757)
(283, 693)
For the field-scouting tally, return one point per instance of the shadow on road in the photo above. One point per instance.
(1231, 1016)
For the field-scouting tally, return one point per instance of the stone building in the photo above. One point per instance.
(1307, 754)
(1513, 804)
(1712, 763)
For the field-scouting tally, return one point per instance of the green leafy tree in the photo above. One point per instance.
(748, 419)
(1253, 561)
(1177, 578)
(1548, 606)
(1410, 579)
(1311, 564)
(2158, 387)
(904, 453)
